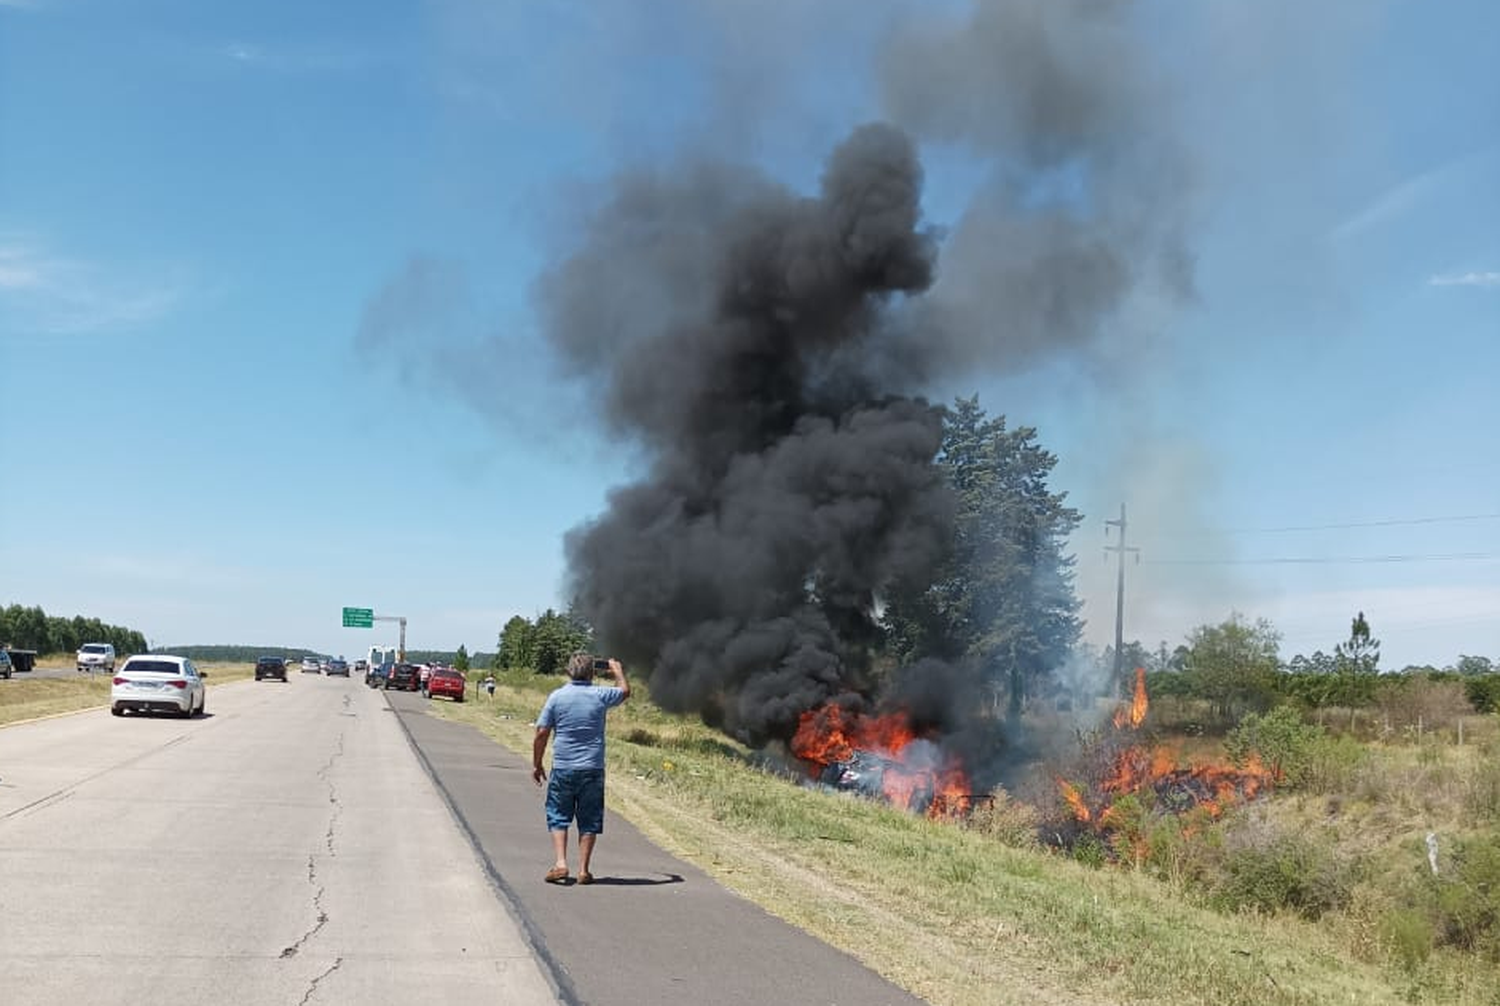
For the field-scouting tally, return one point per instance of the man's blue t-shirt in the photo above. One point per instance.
(575, 714)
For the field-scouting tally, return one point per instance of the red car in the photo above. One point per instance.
(446, 681)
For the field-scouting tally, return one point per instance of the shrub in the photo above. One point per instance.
(1482, 793)
(1334, 764)
(1090, 850)
(1467, 896)
(1409, 934)
(1483, 692)
(1269, 870)
(1283, 742)
(1009, 822)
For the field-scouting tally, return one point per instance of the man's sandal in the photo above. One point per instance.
(557, 875)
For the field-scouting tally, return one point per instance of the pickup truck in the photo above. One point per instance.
(96, 657)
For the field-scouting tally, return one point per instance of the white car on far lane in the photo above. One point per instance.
(158, 683)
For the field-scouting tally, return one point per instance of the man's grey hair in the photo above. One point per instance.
(581, 666)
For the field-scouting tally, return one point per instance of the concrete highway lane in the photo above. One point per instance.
(285, 849)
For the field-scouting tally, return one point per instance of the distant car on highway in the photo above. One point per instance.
(270, 667)
(6, 667)
(96, 657)
(362, 667)
(376, 674)
(158, 683)
(447, 681)
(310, 665)
(338, 667)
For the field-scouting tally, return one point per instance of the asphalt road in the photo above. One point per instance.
(321, 842)
(652, 929)
(286, 849)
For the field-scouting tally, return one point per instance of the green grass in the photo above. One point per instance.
(28, 698)
(950, 912)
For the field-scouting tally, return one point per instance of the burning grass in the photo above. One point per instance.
(976, 914)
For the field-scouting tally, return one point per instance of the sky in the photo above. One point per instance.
(270, 340)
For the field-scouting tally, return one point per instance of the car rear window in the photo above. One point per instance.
(447, 674)
(154, 666)
(95, 648)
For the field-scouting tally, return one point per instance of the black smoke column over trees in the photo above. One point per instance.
(785, 488)
(765, 349)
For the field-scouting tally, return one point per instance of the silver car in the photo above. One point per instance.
(158, 683)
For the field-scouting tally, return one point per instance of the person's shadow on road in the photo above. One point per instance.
(665, 878)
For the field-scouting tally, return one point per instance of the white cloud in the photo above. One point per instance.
(1466, 279)
(48, 294)
(244, 52)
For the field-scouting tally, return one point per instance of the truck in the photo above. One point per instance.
(20, 660)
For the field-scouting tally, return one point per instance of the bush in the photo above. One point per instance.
(1483, 692)
(1467, 896)
(1482, 794)
(1266, 869)
(1410, 936)
(1283, 742)
(1334, 764)
(1002, 818)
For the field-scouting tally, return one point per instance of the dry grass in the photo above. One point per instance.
(950, 913)
(28, 698)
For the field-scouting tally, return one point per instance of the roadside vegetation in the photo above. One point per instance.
(1322, 892)
(28, 698)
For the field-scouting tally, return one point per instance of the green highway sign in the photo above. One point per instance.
(359, 618)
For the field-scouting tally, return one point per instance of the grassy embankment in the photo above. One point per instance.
(25, 697)
(954, 914)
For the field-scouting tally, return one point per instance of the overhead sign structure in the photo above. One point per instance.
(359, 618)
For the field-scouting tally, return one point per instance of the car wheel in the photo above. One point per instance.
(203, 706)
(116, 711)
(458, 698)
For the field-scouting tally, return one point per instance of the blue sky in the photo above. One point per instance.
(201, 204)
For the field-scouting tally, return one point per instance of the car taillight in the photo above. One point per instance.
(178, 683)
(119, 681)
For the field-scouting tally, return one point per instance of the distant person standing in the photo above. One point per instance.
(575, 792)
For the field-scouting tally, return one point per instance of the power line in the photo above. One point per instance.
(1393, 522)
(1328, 560)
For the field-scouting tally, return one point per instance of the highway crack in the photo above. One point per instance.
(312, 988)
(320, 914)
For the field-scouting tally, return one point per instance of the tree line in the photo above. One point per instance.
(24, 628)
(1236, 668)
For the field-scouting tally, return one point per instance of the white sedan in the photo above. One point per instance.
(158, 684)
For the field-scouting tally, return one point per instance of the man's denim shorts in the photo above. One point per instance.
(576, 793)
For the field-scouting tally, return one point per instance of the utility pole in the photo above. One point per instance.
(1119, 550)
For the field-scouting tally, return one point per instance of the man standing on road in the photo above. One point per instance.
(576, 712)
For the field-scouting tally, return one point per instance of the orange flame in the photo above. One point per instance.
(1075, 800)
(1157, 772)
(1135, 713)
(830, 734)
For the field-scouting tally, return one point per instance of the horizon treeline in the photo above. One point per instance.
(24, 628)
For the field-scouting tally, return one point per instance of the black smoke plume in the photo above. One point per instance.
(766, 350)
(787, 488)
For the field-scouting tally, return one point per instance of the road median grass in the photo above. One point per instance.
(948, 912)
(28, 698)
